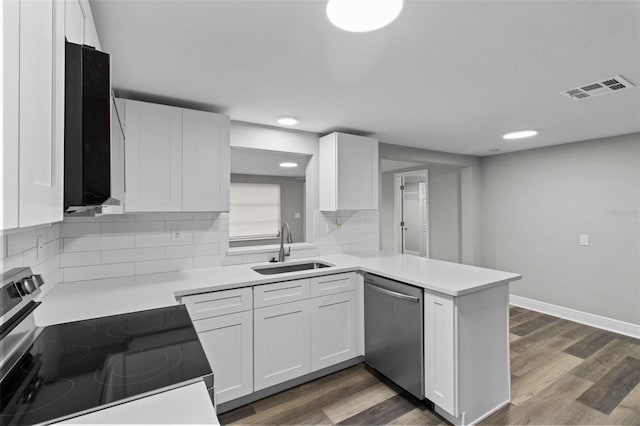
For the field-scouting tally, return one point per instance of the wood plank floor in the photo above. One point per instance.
(561, 373)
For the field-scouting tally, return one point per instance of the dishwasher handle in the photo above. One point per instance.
(395, 293)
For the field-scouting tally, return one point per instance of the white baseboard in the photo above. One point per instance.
(621, 327)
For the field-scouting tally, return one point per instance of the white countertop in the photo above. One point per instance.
(185, 405)
(190, 404)
(96, 298)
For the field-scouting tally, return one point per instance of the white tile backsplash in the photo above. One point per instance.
(165, 265)
(19, 248)
(132, 255)
(134, 244)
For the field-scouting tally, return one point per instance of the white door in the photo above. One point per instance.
(281, 343)
(440, 355)
(205, 161)
(11, 105)
(228, 343)
(42, 53)
(333, 329)
(423, 211)
(153, 157)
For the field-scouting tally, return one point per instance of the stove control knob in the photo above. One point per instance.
(27, 286)
(37, 278)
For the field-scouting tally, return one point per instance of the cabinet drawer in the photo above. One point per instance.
(216, 303)
(330, 284)
(277, 293)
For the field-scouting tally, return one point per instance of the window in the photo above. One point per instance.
(254, 212)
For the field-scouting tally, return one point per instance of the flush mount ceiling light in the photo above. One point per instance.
(287, 121)
(360, 16)
(288, 165)
(520, 134)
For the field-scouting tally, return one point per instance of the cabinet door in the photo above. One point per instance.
(333, 329)
(282, 343)
(440, 351)
(74, 25)
(205, 161)
(42, 54)
(153, 157)
(228, 343)
(357, 174)
(11, 105)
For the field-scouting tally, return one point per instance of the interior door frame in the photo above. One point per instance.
(398, 180)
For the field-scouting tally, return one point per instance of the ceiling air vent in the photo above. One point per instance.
(591, 90)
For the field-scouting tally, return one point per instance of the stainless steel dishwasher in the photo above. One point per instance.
(394, 332)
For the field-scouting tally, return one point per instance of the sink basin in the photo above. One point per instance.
(281, 268)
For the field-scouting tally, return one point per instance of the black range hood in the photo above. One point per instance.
(87, 139)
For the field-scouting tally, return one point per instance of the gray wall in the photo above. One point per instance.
(291, 201)
(535, 204)
(444, 215)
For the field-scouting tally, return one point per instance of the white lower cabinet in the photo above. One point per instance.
(224, 323)
(439, 356)
(282, 343)
(333, 329)
(228, 343)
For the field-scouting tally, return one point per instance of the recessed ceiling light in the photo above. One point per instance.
(288, 165)
(360, 16)
(287, 121)
(519, 134)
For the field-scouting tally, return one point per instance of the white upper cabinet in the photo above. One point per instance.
(34, 112)
(348, 172)
(11, 113)
(175, 159)
(205, 161)
(153, 157)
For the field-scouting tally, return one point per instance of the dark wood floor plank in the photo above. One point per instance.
(381, 414)
(538, 337)
(533, 324)
(236, 415)
(515, 310)
(590, 344)
(598, 364)
(613, 387)
(286, 411)
(523, 317)
(560, 371)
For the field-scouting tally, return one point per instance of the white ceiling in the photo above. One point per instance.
(446, 75)
(267, 163)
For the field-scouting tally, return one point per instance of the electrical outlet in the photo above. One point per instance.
(296, 215)
(177, 234)
(584, 240)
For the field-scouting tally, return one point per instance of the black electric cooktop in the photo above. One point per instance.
(82, 365)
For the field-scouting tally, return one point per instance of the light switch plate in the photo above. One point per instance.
(584, 240)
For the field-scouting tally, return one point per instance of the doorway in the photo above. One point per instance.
(412, 212)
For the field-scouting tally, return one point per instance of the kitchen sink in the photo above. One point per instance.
(290, 267)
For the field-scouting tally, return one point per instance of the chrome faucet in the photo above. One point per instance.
(282, 254)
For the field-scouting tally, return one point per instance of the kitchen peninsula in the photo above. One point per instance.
(465, 320)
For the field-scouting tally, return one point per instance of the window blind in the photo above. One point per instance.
(254, 211)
